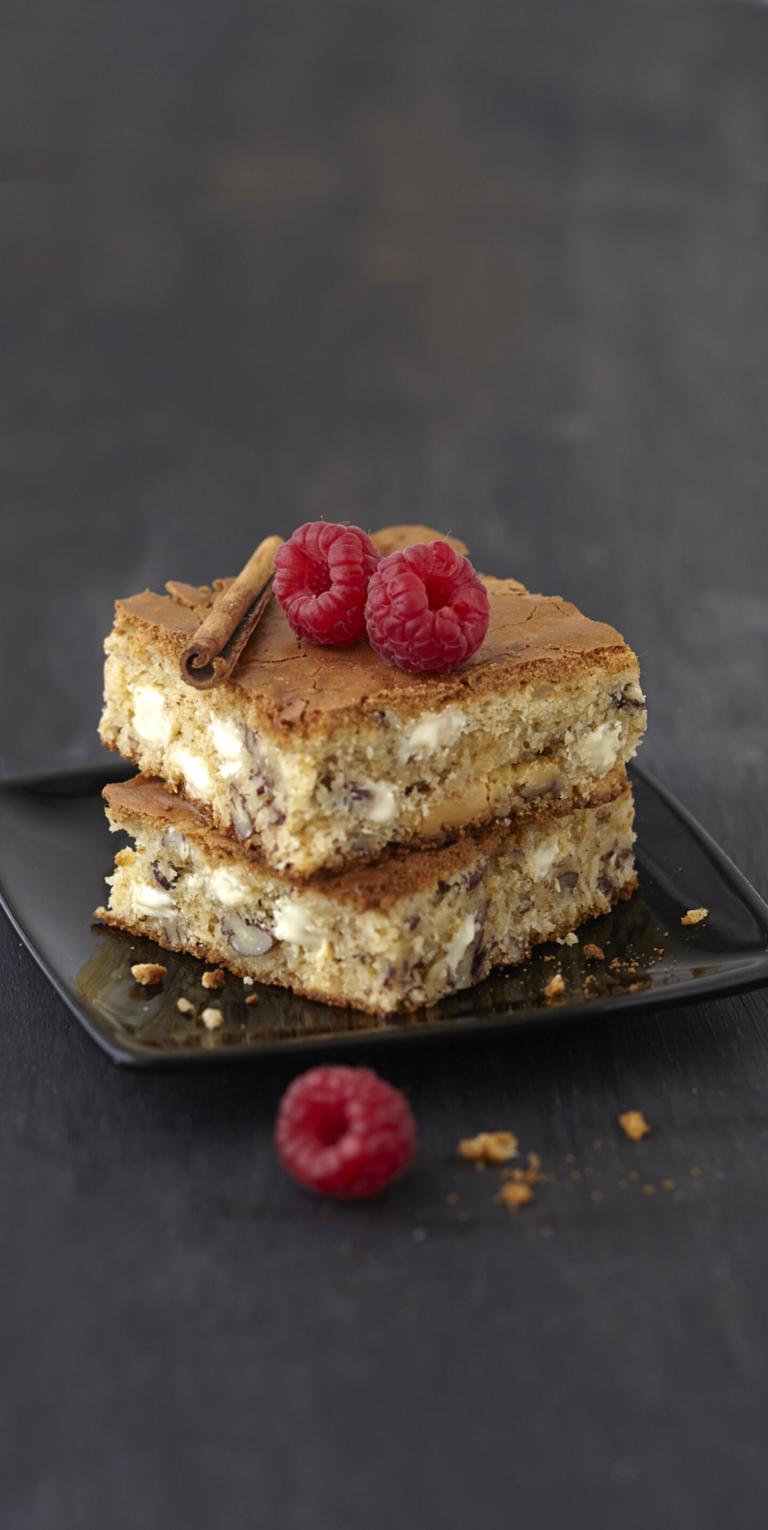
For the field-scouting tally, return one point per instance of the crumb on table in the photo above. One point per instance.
(532, 1175)
(185, 1006)
(148, 973)
(555, 988)
(694, 916)
(489, 1147)
(212, 1019)
(214, 978)
(253, 998)
(571, 939)
(514, 1194)
(634, 1125)
(594, 953)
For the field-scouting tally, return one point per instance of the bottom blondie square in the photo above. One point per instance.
(397, 935)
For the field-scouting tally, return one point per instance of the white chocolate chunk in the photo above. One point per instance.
(598, 750)
(434, 730)
(381, 806)
(541, 859)
(460, 941)
(193, 768)
(293, 922)
(178, 846)
(150, 714)
(229, 744)
(228, 887)
(148, 899)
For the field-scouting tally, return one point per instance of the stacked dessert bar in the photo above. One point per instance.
(364, 835)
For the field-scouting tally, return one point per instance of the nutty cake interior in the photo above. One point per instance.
(402, 933)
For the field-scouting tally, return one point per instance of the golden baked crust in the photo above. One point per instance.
(295, 685)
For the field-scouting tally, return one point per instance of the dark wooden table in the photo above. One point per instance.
(503, 268)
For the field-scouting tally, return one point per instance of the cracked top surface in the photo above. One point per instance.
(297, 685)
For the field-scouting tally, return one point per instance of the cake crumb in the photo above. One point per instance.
(530, 1176)
(215, 978)
(555, 988)
(594, 953)
(668, 1184)
(649, 1189)
(148, 973)
(634, 1125)
(571, 939)
(489, 1147)
(212, 1019)
(185, 1006)
(514, 1194)
(249, 981)
(694, 916)
(253, 998)
(696, 1172)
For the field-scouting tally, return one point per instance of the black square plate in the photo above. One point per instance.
(55, 850)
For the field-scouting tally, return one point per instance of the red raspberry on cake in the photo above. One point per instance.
(321, 581)
(427, 609)
(344, 1132)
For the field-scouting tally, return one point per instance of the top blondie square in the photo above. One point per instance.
(320, 757)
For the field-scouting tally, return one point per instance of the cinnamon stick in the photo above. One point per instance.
(214, 650)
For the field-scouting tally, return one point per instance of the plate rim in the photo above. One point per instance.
(753, 975)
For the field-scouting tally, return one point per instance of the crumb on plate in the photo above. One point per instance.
(148, 973)
(212, 1019)
(214, 978)
(555, 988)
(694, 916)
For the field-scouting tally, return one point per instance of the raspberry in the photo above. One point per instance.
(344, 1132)
(321, 581)
(426, 608)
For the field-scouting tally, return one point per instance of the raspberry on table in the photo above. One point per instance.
(344, 1132)
(427, 609)
(321, 581)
